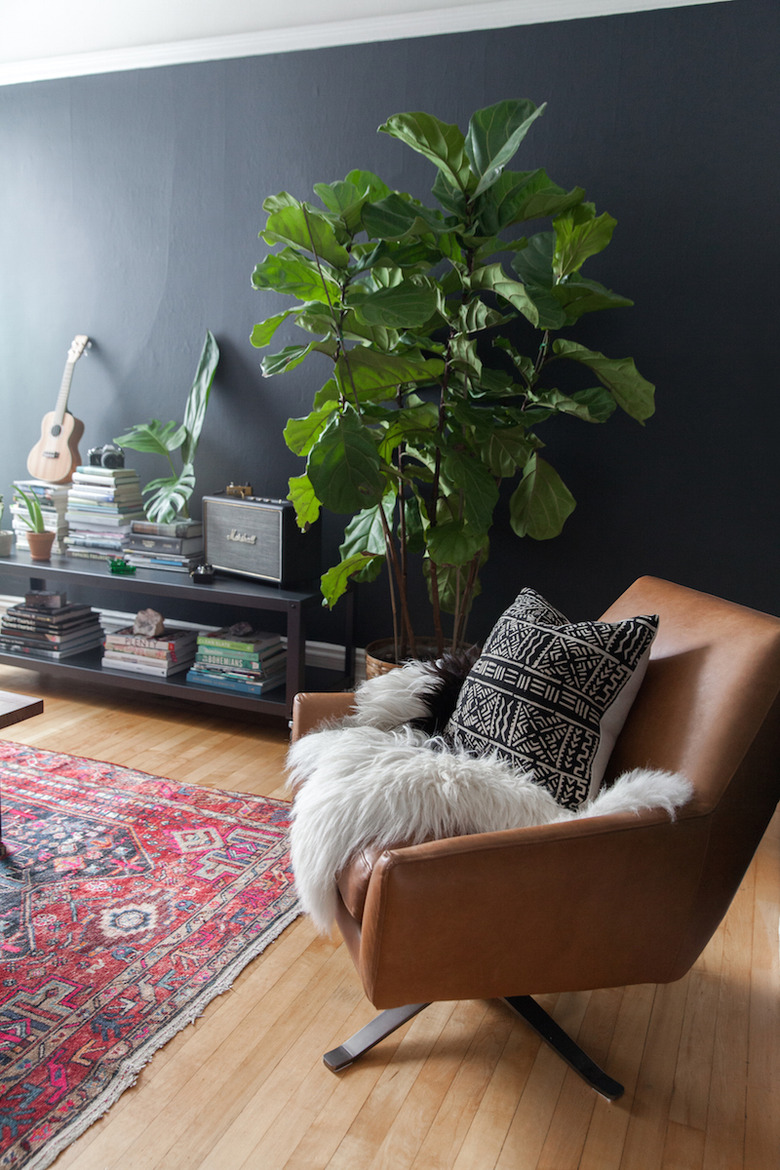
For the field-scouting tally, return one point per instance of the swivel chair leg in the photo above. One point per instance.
(526, 1007)
(385, 1023)
(554, 1035)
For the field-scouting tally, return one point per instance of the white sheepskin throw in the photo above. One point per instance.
(370, 780)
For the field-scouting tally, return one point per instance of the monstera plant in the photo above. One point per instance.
(445, 335)
(169, 495)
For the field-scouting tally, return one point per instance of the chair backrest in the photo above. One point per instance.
(708, 708)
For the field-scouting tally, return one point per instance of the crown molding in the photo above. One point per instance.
(430, 22)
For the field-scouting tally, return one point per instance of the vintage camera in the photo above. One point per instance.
(109, 455)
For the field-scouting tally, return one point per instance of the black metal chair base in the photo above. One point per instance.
(524, 1005)
(381, 1026)
(545, 1026)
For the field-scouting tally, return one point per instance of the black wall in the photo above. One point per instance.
(130, 205)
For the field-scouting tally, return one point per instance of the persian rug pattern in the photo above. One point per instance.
(127, 902)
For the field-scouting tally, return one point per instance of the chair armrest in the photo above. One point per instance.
(310, 708)
(597, 902)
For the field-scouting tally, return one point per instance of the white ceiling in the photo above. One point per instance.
(54, 38)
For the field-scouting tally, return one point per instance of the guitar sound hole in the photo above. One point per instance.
(55, 430)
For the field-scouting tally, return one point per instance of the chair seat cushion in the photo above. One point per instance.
(551, 696)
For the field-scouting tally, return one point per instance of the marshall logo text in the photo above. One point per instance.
(241, 537)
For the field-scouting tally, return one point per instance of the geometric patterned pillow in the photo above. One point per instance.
(551, 696)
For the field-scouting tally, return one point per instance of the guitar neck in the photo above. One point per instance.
(61, 404)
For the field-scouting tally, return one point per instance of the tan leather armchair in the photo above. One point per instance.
(602, 902)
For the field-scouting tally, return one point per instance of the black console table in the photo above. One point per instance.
(225, 601)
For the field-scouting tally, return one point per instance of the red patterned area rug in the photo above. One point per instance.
(127, 902)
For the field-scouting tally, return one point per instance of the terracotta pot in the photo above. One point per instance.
(40, 545)
(379, 655)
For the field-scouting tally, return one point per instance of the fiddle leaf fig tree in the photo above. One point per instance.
(443, 335)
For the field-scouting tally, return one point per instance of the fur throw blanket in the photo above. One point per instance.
(375, 779)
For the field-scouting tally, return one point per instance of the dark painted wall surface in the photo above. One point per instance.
(130, 205)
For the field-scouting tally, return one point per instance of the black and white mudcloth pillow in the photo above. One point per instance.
(552, 696)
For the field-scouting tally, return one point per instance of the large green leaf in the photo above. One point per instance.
(493, 278)
(541, 502)
(506, 449)
(299, 276)
(633, 393)
(517, 196)
(467, 474)
(494, 136)
(304, 498)
(198, 398)
(443, 144)
(154, 437)
(344, 467)
(295, 223)
(401, 217)
(405, 306)
(335, 581)
(287, 359)
(263, 332)
(579, 233)
(454, 543)
(365, 533)
(375, 376)
(578, 296)
(169, 496)
(301, 434)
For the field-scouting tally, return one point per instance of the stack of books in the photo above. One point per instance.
(177, 546)
(53, 499)
(103, 502)
(168, 653)
(47, 626)
(239, 658)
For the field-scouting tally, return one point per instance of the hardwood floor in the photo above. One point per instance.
(465, 1086)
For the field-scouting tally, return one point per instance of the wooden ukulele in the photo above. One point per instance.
(56, 453)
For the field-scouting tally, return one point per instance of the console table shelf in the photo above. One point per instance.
(221, 603)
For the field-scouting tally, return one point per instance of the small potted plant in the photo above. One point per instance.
(6, 536)
(39, 537)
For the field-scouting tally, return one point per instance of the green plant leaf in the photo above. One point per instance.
(579, 233)
(169, 496)
(541, 502)
(377, 375)
(403, 307)
(198, 398)
(154, 437)
(494, 136)
(286, 359)
(454, 543)
(344, 467)
(304, 499)
(578, 296)
(463, 472)
(517, 196)
(263, 332)
(34, 520)
(365, 534)
(633, 393)
(441, 143)
(296, 223)
(493, 278)
(401, 217)
(506, 449)
(335, 581)
(301, 434)
(299, 276)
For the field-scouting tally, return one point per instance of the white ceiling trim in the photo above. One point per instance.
(431, 22)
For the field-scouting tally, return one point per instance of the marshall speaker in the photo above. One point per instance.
(257, 537)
